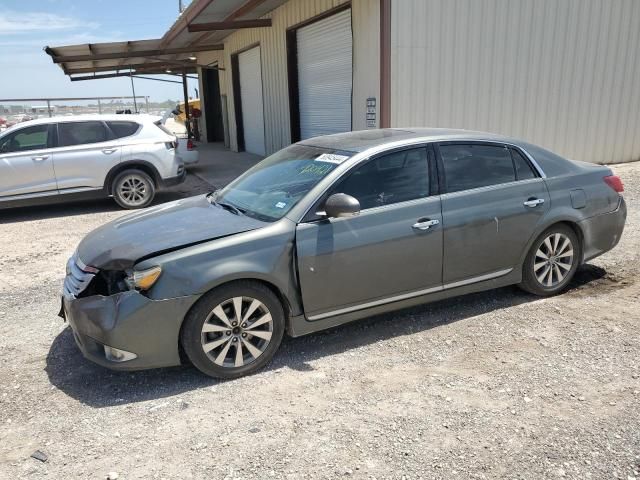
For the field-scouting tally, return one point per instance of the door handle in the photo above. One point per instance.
(425, 224)
(533, 202)
(108, 151)
(40, 158)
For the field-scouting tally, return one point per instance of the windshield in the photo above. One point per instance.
(272, 187)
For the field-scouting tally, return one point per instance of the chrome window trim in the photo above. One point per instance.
(406, 296)
(499, 143)
(363, 156)
(489, 187)
(372, 210)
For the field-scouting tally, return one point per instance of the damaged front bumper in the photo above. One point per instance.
(127, 331)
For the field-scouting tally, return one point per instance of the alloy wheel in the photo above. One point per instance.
(237, 332)
(553, 260)
(134, 190)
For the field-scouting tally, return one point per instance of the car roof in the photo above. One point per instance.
(88, 117)
(362, 140)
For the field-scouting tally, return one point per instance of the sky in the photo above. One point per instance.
(27, 26)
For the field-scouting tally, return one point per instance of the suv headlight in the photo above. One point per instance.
(143, 279)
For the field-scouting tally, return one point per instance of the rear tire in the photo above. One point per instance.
(233, 330)
(133, 188)
(552, 261)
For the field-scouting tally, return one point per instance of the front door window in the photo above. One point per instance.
(26, 139)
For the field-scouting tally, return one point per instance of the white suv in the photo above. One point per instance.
(126, 157)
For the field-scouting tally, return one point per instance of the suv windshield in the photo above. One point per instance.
(272, 187)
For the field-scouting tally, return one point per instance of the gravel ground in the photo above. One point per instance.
(492, 385)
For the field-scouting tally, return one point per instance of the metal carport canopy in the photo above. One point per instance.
(216, 18)
(143, 56)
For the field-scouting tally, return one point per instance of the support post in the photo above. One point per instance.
(146, 103)
(185, 92)
(133, 89)
(99, 107)
(49, 107)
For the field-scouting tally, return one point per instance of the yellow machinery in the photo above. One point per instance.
(193, 104)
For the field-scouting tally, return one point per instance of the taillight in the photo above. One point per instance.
(614, 182)
(190, 144)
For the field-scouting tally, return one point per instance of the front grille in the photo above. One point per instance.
(78, 278)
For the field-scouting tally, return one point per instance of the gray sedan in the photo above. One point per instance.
(330, 230)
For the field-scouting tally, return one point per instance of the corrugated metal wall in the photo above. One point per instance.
(564, 74)
(274, 63)
(365, 18)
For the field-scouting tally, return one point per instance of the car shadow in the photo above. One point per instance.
(99, 387)
(59, 207)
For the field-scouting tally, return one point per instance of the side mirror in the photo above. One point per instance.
(341, 205)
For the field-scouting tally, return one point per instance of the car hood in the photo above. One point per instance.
(121, 243)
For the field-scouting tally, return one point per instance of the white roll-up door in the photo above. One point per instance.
(250, 73)
(325, 50)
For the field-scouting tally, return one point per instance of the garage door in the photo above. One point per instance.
(324, 75)
(250, 74)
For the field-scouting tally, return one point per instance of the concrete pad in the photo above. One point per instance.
(219, 166)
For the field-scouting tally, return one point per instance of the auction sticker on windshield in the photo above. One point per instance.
(331, 158)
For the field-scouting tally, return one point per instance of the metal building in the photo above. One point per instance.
(559, 73)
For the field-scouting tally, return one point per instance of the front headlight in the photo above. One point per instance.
(144, 279)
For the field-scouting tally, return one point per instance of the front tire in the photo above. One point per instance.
(133, 189)
(233, 330)
(552, 261)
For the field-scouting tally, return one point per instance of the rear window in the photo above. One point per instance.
(81, 133)
(123, 129)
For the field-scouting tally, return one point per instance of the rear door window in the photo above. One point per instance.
(26, 139)
(123, 129)
(81, 133)
(522, 166)
(468, 166)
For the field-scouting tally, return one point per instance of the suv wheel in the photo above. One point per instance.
(133, 189)
(552, 261)
(233, 330)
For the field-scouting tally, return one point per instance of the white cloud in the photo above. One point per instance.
(12, 22)
(72, 39)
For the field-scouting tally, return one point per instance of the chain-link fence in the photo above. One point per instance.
(15, 110)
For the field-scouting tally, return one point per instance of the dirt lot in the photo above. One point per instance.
(492, 385)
